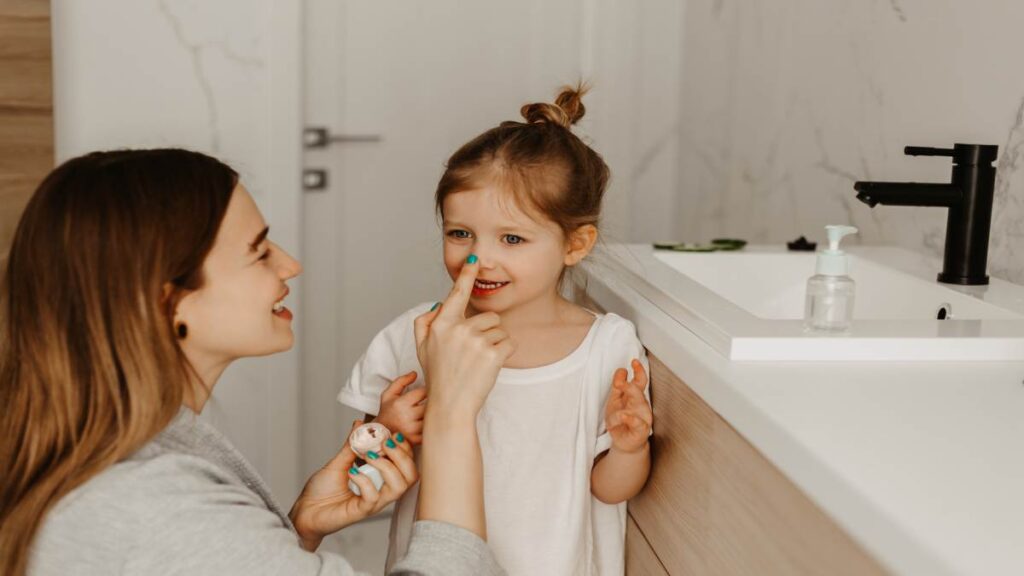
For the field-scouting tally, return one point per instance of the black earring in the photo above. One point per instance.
(182, 330)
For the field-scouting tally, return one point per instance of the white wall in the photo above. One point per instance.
(219, 77)
(786, 103)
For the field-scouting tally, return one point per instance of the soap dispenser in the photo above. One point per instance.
(829, 304)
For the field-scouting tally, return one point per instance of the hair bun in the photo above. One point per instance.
(566, 111)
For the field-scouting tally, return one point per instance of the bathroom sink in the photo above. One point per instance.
(749, 305)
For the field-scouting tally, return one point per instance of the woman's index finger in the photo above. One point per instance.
(457, 300)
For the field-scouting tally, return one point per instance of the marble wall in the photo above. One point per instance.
(785, 104)
(222, 78)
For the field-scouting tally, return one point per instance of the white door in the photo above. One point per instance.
(424, 77)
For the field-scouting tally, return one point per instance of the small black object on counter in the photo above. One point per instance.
(802, 244)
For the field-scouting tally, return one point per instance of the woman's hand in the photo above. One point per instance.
(461, 357)
(402, 411)
(627, 414)
(326, 504)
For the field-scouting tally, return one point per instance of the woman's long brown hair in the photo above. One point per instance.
(90, 369)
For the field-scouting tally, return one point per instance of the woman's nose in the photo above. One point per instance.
(287, 266)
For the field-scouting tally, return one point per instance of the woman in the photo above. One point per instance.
(134, 279)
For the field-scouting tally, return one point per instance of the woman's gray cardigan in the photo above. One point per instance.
(189, 503)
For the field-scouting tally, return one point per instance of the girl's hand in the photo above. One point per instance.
(326, 504)
(627, 415)
(460, 357)
(403, 411)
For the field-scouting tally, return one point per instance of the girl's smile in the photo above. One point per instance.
(485, 288)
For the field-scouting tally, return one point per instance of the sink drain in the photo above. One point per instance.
(945, 312)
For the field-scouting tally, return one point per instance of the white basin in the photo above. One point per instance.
(749, 304)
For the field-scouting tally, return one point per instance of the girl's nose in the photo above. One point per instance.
(484, 257)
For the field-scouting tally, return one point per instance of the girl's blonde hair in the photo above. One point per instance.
(547, 169)
(90, 368)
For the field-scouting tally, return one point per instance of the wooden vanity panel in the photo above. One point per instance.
(640, 559)
(715, 505)
(26, 107)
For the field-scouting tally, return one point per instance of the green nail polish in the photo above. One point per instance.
(390, 443)
(372, 455)
(399, 437)
(472, 259)
(353, 470)
(434, 307)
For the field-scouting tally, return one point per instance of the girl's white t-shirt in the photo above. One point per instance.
(540, 430)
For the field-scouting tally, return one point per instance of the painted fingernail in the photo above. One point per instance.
(390, 443)
(372, 455)
(472, 259)
(353, 470)
(434, 307)
(399, 438)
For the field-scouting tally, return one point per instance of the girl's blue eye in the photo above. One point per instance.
(265, 255)
(460, 234)
(513, 239)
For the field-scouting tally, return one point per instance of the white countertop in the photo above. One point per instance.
(920, 462)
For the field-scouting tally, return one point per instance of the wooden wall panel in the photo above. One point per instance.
(26, 106)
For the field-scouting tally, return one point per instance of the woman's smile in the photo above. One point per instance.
(279, 309)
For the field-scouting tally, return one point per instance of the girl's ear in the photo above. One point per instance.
(581, 242)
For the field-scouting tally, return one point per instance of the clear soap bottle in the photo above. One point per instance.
(830, 292)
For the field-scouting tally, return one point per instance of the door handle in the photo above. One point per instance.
(314, 180)
(320, 137)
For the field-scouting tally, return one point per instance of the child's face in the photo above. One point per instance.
(521, 259)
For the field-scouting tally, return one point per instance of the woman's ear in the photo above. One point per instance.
(581, 242)
(171, 297)
(165, 292)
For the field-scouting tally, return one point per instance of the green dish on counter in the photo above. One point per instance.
(716, 245)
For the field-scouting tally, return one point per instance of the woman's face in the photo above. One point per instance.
(238, 309)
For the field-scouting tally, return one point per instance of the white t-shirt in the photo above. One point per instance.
(540, 430)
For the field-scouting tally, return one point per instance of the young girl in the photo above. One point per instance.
(564, 433)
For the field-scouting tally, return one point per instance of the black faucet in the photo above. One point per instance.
(969, 200)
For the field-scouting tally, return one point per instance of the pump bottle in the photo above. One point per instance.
(829, 304)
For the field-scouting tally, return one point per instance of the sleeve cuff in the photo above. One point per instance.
(361, 403)
(438, 548)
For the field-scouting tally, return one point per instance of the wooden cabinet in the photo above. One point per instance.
(714, 505)
(640, 557)
(26, 107)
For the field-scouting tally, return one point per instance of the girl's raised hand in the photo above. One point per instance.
(326, 504)
(401, 410)
(627, 415)
(460, 356)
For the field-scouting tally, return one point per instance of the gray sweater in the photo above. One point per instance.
(189, 503)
